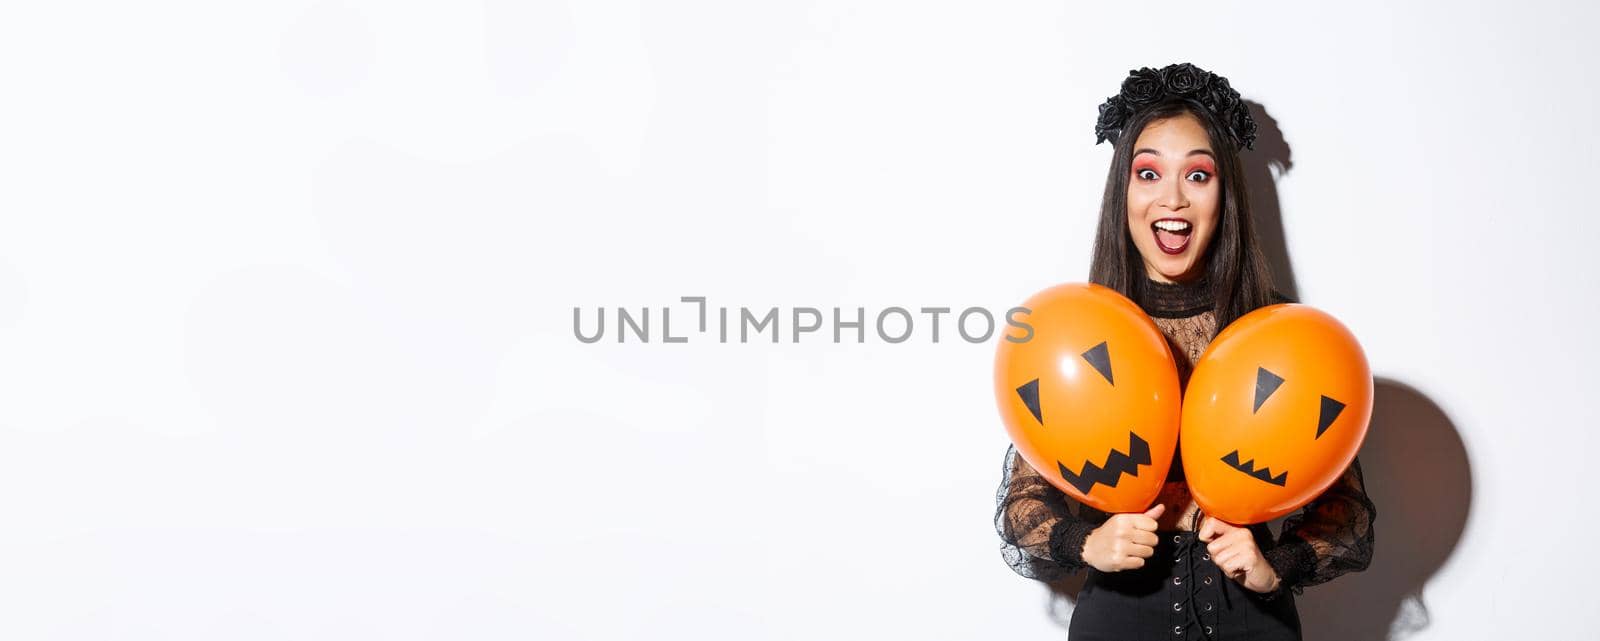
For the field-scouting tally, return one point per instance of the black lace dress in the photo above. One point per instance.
(1179, 593)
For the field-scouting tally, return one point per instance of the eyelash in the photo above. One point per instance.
(1139, 173)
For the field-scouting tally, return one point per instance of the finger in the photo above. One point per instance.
(1217, 547)
(1241, 540)
(1141, 551)
(1236, 565)
(1144, 537)
(1214, 527)
(1132, 563)
(1156, 510)
(1228, 566)
(1222, 556)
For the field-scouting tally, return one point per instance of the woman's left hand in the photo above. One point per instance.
(1233, 549)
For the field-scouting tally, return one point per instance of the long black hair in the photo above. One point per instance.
(1235, 266)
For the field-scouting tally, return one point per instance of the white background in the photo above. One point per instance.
(286, 292)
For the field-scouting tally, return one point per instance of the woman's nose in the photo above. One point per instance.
(1172, 197)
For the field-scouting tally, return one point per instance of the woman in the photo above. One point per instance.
(1176, 236)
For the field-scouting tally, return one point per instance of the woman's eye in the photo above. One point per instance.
(1199, 175)
(1147, 174)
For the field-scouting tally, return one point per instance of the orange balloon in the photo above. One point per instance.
(1091, 399)
(1275, 411)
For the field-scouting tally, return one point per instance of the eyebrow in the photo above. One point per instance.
(1147, 150)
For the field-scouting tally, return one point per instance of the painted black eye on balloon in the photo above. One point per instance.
(1330, 410)
(1100, 357)
(1266, 384)
(1029, 392)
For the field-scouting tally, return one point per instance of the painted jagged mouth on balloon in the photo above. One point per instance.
(1117, 464)
(1249, 468)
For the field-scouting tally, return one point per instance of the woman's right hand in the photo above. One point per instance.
(1124, 541)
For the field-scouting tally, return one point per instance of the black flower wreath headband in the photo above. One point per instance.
(1178, 81)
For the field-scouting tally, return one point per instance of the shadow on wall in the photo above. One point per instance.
(1414, 463)
(1269, 160)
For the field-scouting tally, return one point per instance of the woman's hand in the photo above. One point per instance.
(1233, 549)
(1123, 542)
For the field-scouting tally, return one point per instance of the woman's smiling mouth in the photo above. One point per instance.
(1172, 234)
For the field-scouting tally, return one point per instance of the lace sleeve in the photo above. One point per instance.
(1041, 537)
(1330, 536)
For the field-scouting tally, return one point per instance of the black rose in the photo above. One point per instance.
(1243, 126)
(1220, 97)
(1113, 113)
(1142, 86)
(1183, 79)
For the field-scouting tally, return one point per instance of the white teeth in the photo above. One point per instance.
(1172, 225)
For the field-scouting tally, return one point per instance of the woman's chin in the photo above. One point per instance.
(1178, 273)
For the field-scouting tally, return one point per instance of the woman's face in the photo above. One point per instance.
(1173, 198)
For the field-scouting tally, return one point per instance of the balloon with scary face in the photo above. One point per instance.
(1091, 399)
(1274, 412)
